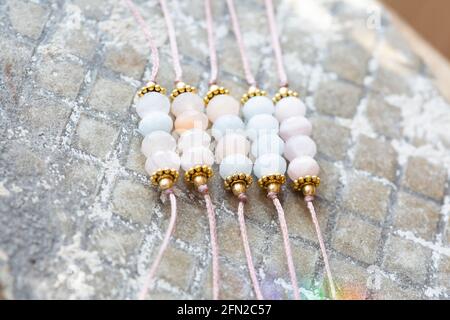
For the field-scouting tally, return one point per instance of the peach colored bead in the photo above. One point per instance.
(189, 120)
(302, 167)
(232, 143)
(222, 105)
(187, 101)
(295, 126)
(289, 107)
(299, 146)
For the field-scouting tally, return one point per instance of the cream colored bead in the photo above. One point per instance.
(187, 101)
(222, 105)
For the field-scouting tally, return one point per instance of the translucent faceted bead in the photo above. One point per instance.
(257, 105)
(229, 123)
(289, 107)
(262, 124)
(302, 167)
(295, 126)
(232, 144)
(191, 119)
(155, 121)
(236, 163)
(222, 105)
(193, 138)
(299, 146)
(158, 141)
(152, 102)
(268, 143)
(196, 156)
(268, 164)
(162, 160)
(187, 101)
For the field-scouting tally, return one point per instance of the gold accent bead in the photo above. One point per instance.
(180, 88)
(252, 92)
(307, 185)
(151, 87)
(203, 171)
(214, 90)
(284, 92)
(238, 183)
(164, 178)
(272, 183)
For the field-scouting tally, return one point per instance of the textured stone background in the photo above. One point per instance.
(79, 220)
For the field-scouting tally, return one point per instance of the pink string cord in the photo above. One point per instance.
(211, 43)
(248, 254)
(276, 44)
(152, 271)
(237, 33)
(213, 234)
(173, 42)
(287, 246)
(310, 205)
(148, 36)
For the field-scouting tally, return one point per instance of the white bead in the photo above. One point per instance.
(152, 102)
(236, 163)
(229, 123)
(229, 144)
(289, 107)
(295, 126)
(268, 164)
(196, 156)
(302, 167)
(221, 105)
(158, 141)
(299, 146)
(193, 138)
(268, 143)
(187, 101)
(257, 105)
(162, 160)
(155, 121)
(261, 124)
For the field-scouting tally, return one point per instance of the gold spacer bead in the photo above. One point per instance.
(309, 190)
(238, 188)
(165, 183)
(273, 187)
(199, 180)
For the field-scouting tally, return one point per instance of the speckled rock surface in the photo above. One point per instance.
(78, 218)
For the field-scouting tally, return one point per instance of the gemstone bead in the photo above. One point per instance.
(227, 124)
(155, 121)
(152, 102)
(257, 105)
(196, 156)
(302, 167)
(262, 124)
(189, 120)
(162, 160)
(193, 138)
(269, 164)
(187, 101)
(222, 105)
(158, 141)
(295, 126)
(232, 144)
(289, 107)
(233, 164)
(268, 143)
(299, 146)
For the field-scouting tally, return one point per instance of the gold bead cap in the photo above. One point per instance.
(284, 92)
(198, 175)
(252, 92)
(307, 185)
(238, 183)
(181, 88)
(151, 87)
(164, 178)
(214, 90)
(272, 183)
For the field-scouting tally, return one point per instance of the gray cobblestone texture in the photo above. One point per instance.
(79, 219)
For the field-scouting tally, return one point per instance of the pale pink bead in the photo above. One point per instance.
(189, 120)
(295, 126)
(187, 101)
(289, 107)
(222, 105)
(232, 143)
(162, 160)
(299, 146)
(302, 167)
(196, 156)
